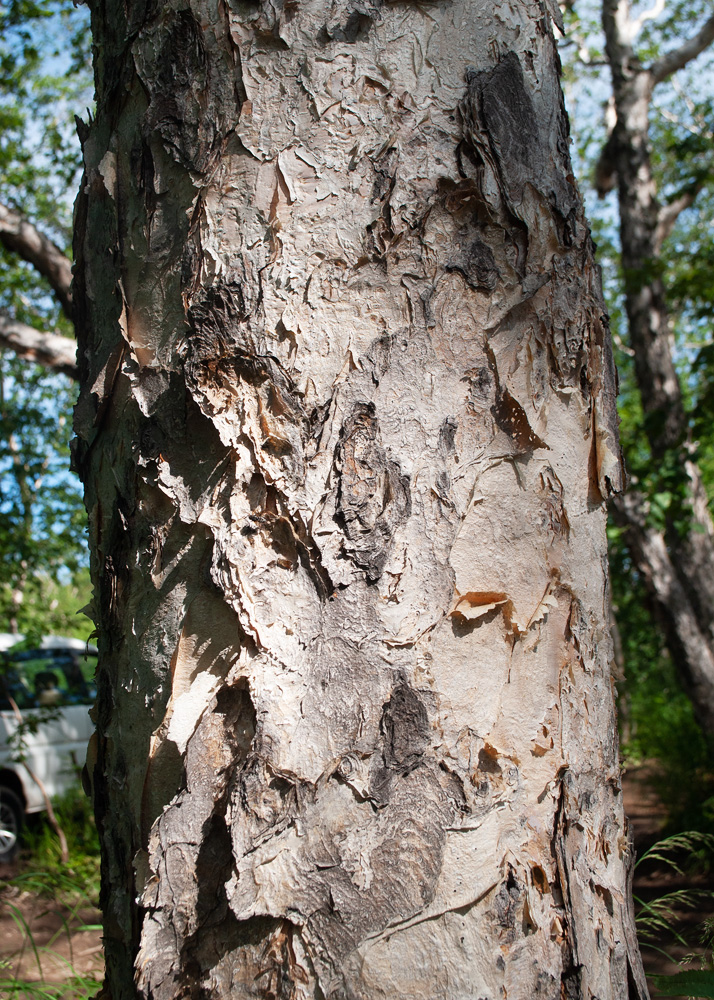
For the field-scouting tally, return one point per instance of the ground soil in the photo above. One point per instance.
(63, 944)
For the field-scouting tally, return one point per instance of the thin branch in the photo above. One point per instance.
(678, 58)
(692, 129)
(48, 349)
(23, 238)
(668, 214)
(648, 15)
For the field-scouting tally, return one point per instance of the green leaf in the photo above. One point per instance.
(686, 984)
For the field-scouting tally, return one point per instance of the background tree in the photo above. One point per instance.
(653, 152)
(43, 575)
(346, 427)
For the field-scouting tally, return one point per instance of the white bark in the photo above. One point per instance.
(347, 423)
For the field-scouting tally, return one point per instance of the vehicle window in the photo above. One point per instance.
(47, 678)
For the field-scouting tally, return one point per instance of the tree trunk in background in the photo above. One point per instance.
(683, 560)
(346, 427)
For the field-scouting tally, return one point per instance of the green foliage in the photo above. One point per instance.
(76, 884)
(44, 80)
(656, 715)
(695, 983)
(42, 520)
(660, 920)
(75, 987)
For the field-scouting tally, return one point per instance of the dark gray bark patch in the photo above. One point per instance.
(193, 96)
(478, 266)
(511, 121)
(217, 319)
(222, 354)
(508, 906)
(284, 531)
(240, 955)
(406, 861)
(192, 448)
(379, 356)
(355, 28)
(481, 387)
(267, 801)
(503, 125)
(568, 336)
(339, 673)
(403, 841)
(373, 496)
(555, 516)
(224, 362)
(447, 436)
(405, 728)
(385, 174)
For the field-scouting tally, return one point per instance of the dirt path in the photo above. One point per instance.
(46, 942)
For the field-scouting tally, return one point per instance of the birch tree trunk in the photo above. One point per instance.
(347, 425)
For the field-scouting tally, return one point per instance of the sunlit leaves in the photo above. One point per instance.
(44, 80)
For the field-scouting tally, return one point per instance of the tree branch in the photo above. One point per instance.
(678, 58)
(686, 633)
(48, 349)
(23, 238)
(668, 215)
(647, 15)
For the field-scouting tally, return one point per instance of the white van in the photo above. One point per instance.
(54, 687)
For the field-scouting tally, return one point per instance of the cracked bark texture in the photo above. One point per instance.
(347, 425)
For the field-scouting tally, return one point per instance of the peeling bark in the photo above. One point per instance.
(346, 427)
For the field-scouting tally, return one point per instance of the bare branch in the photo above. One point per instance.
(23, 238)
(648, 15)
(678, 58)
(668, 215)
(48, 349)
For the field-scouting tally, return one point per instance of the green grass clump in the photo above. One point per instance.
(69, 889)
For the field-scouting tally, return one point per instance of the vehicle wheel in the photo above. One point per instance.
(11, 818)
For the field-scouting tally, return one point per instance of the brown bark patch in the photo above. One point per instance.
(374, 497)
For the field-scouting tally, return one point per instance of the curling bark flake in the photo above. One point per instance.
(346, 427)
